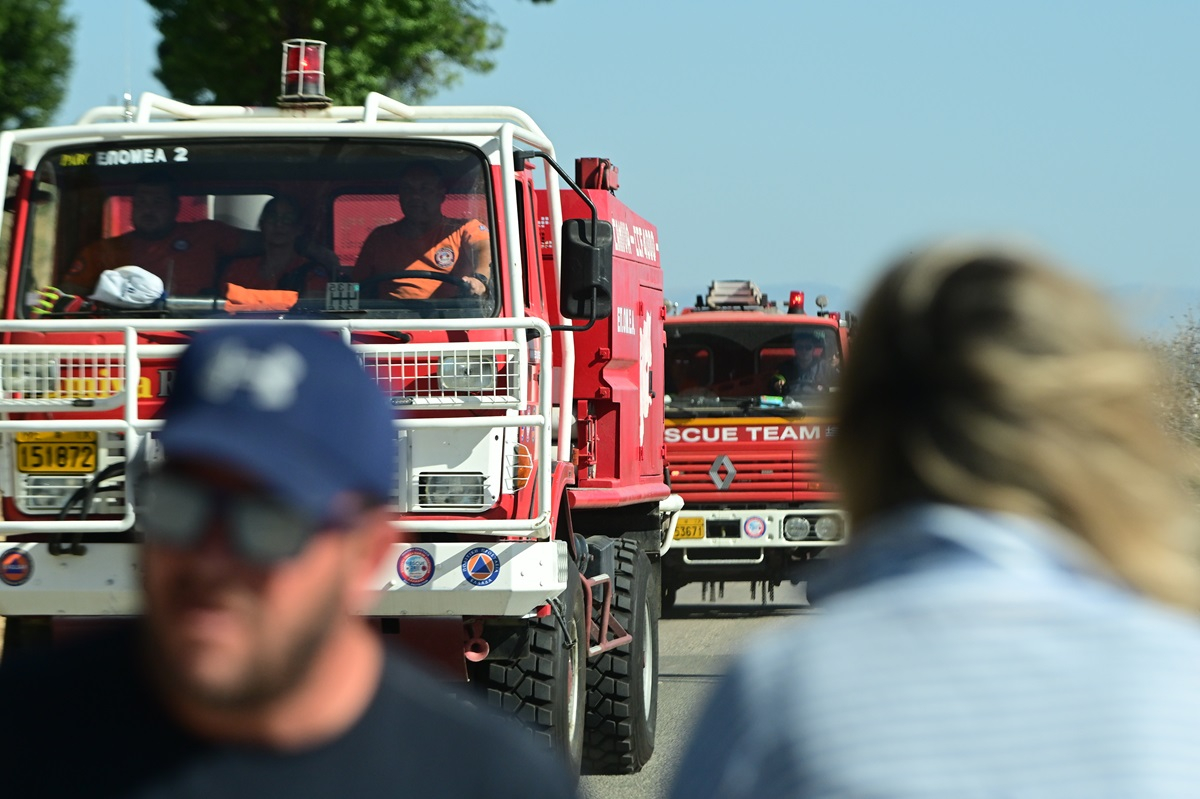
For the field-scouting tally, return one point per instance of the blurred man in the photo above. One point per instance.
(252, 673)
(454, 255)
(1015, 615)
(184, 254)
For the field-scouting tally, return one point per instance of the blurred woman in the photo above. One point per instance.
(1016, 612)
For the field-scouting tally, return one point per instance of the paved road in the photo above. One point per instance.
(695, 643)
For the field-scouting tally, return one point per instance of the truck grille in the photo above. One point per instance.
(46, 494)
(482, 376)
(711, 476)
(36, 378)
(65, 407)
(45, 378)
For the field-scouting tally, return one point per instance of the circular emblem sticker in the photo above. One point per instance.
(444, 257)
(481, 566)
(415, 566)
(755, 527)
(16, 567)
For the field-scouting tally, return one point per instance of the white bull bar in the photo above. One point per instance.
(136, 429)
(104, 580)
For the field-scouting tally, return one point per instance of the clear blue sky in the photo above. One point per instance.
(794, 141)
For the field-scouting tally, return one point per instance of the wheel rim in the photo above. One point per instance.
(574, 686)
(647, 663)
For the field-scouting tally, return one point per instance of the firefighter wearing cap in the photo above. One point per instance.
(806, 373)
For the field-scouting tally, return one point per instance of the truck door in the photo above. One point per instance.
(652, 357)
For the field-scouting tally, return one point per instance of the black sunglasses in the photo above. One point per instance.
(177, 511)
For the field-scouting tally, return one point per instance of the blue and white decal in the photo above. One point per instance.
(415, 566)
(481, 566)
(754, 527)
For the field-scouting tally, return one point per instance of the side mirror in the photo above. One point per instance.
(587, 266)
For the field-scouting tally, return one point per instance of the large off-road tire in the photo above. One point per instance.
(546, 688)
(623, 683)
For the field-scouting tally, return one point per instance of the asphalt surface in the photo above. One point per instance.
(695, 643)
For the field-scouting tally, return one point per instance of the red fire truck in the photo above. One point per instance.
(531, 505)
(748, 410)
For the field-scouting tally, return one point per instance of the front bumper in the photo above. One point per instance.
(444, 579)
(739, 528)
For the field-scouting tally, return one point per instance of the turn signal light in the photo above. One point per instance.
(522, 466)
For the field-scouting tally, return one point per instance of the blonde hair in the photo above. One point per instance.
(983, 375)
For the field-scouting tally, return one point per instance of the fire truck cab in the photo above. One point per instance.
(749, 390)
(531, 505)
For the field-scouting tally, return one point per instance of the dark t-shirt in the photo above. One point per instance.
(84, 724)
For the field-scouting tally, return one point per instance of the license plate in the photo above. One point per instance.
(689, 527)
(56, 452)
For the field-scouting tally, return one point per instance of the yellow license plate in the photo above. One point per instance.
(56, 452)
(689, 527)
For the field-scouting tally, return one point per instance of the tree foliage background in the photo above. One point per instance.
(227, 51)
(35, 59)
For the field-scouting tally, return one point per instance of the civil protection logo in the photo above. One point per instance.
(16, 567)
(755, 527)
(444, 257)
(415, 566)
(481, 566)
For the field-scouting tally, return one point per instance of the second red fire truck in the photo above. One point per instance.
(749, 390)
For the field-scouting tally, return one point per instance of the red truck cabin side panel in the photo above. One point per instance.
(619, 362)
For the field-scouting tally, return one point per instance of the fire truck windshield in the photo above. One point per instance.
(745, 369)
(322, 226)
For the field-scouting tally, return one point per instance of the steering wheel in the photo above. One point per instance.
(442, 277)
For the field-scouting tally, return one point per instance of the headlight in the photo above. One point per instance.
(29, 375)
(458, 489)
(467, 373)
(796, 528)
(829, 528)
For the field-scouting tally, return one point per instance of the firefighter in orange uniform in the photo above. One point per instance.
(183, 254)
(456, 252)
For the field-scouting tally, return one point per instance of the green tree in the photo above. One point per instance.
(35, 58)
(227, 51)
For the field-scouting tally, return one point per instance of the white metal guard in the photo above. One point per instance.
(67, 380)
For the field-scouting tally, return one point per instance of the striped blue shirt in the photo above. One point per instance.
(960, 654)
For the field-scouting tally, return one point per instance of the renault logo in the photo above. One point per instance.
(722, 483)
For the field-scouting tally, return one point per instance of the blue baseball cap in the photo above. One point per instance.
(290, 406)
